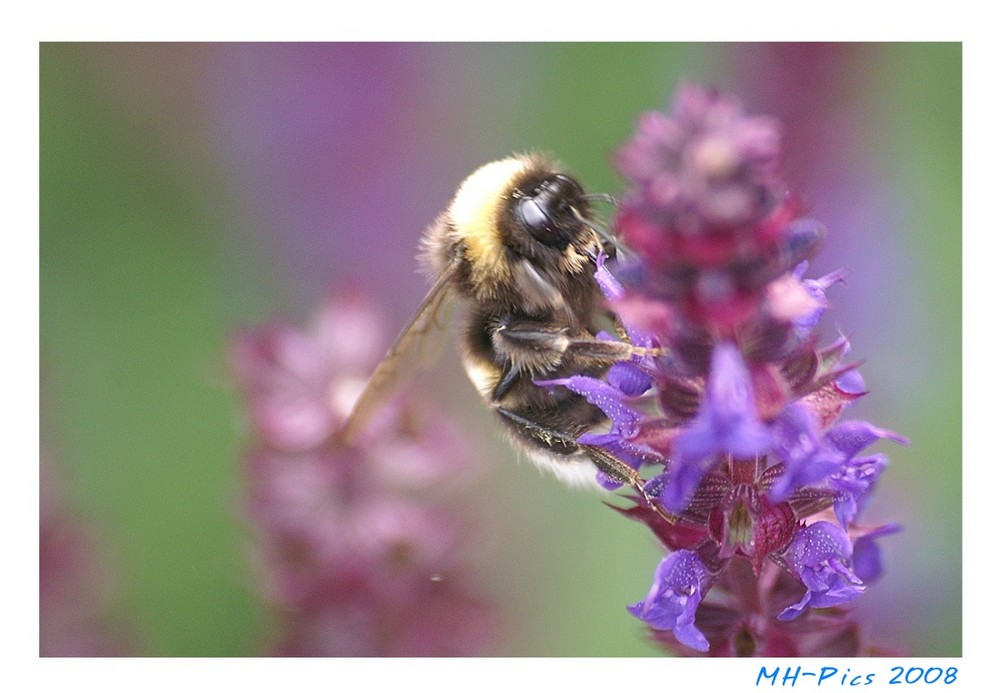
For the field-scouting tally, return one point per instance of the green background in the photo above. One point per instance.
(190, 189)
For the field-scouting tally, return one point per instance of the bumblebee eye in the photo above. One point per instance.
(537, 220)
(547, 211)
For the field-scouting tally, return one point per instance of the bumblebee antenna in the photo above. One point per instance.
(603, 197)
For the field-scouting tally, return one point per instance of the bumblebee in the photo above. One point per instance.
(517, 246)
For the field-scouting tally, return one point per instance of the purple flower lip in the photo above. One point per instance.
(867, 555)
(609, 399)
(806, 459)
(679, 585)
(820, 554)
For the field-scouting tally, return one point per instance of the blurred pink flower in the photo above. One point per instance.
(358, 552)
(74, 588)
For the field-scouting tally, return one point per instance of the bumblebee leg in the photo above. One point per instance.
(605, 351)
(562, 443)
(526, 346)
(613, 467)
(551, 438)
(530, 345)
(538, 347)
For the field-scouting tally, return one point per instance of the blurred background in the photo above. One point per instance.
(189, 190)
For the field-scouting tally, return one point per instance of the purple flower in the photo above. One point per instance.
(629, 379)
(820, 555)
(610, 286)
(851, 437)
(807, 459)
(854, 480)
(817, 290)
(854, 483)
(868, 555)
(727, 423)
(613, 398)
(608, 398)
(741, 411)
(679, 584)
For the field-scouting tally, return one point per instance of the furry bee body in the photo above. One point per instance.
(517, 247)
(524, 301)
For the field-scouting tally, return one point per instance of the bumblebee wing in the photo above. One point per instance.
(405, 356)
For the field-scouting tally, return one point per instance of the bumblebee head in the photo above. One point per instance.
(552, 211)
(523, 216)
